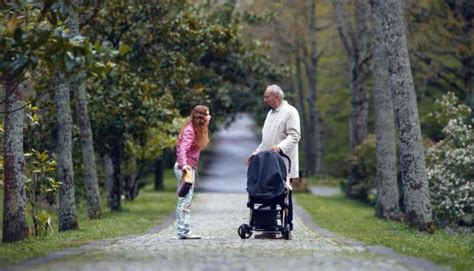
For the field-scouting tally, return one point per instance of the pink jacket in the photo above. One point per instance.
(187, 152)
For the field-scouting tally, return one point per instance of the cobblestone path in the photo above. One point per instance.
(216, 216)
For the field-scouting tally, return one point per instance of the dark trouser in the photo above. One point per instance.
(290, 208)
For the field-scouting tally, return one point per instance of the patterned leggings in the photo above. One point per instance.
(183, 209)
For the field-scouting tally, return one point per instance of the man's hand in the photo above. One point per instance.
(275, 149)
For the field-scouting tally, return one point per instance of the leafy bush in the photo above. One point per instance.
(450, 162)
(363, 161)
(40, 184)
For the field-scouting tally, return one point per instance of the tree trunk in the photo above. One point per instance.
(35, 194)
(158, 170)
(387, 203)
(319, 144)
(315, 127)
(116, 195)
(67, 206)
(15, 227)
(412, 160)
(307, 138)
(131, 179)
(109, 178)
(359, 107)
(355, 44)
(91, 184)
(359, 93)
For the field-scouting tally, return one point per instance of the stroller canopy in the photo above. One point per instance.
(266, 175)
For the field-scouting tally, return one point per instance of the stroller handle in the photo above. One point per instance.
(287, 158)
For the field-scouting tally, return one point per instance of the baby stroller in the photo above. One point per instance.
(268, 195)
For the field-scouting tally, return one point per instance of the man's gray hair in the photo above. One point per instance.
(277, 90)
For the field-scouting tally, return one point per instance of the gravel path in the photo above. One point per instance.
(216, 216)
(324, 191)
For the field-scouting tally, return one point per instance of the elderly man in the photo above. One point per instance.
(281, 132)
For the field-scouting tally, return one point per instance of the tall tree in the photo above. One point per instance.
(109, 179)
(91, 185)
(15, 227)
(315, 127)
(296, 37)
(387, 203)
(355, 40)
(412, 160)
(307, 140)
(67, 205)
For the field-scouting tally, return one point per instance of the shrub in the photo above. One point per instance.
(450, 162)
(363, 161)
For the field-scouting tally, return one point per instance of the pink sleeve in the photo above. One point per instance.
(185, 145)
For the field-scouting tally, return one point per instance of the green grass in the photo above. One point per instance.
(356, 221)
(137, 217)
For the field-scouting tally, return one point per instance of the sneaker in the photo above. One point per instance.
(189, 236)
(266, 235)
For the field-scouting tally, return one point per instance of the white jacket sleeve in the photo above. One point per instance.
(292, 130)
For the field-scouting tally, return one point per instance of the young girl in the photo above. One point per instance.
(191, 140)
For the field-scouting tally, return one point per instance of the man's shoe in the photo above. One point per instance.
(266, 235)
(189, 236)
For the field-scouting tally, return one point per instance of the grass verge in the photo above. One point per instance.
(356, 221)
(138, 216)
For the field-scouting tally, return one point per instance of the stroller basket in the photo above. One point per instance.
(266, 219)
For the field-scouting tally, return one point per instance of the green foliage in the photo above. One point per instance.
(40, 183)
(363, 161)
(159, 139)
(335, 111)
(450, 163)
(431, 128)
(35, 35)
(257, 18)
(40, 174)
(167, 56)
(165, 68)
(355, 220)
(441, 48)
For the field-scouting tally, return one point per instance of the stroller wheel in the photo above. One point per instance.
(286, 232)
(244, 231)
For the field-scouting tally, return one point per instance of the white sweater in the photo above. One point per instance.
(282, 128)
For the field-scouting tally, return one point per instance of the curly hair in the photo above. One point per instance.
(198, 120)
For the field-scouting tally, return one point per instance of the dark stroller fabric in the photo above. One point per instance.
(266, 176)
